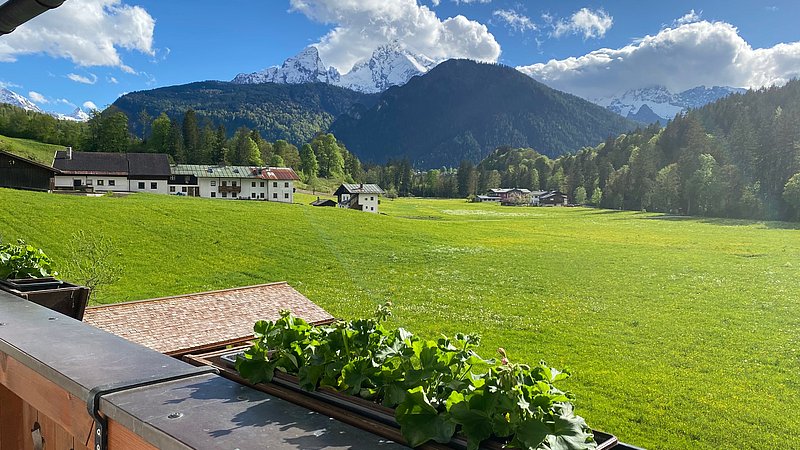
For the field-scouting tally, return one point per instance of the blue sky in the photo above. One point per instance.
(96, 50)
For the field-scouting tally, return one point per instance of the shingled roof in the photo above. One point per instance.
(347, 188)
(204, 321)
(206, 171)
(136, 165)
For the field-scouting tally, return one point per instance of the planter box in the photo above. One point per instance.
(362, 413)
(60, 296)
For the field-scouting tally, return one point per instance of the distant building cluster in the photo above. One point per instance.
(520, 197)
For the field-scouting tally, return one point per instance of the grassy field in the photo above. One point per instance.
(27, 148)
(681, 333)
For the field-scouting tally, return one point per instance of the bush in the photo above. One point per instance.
(22, 260)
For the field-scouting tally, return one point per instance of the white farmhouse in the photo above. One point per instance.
(363, 197)
(115, 172)
(275, 184)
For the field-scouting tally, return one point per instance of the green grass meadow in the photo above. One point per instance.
(37, 151)
(680, 332)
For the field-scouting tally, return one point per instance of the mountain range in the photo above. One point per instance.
(13, 98)
(659, 104)
(389, 65)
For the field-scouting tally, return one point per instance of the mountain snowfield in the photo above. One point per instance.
(12, 98)
(657, 103)
(390, 65)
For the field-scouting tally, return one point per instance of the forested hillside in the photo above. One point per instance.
(463, 110)
(18, 123)
(291, 112)
(738, 157)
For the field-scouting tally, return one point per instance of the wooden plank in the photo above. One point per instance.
(11, 427)
(55, 437)
(121, 438)
(29, 420)
(64, 409)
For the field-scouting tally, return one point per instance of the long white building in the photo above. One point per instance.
(115, 172)
(275, 184)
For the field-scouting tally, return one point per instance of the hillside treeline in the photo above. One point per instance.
(19, 123)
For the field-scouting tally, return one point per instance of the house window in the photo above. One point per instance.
(213, 194)
(253, 194)
(141, 185)
(254, 184)
(274, 184)
(286, 184)
(233, 183)
(372, 199)
(224, 195)
(224, 183)
(213, 182)
(262, 194)
(274, 195)
(286, 195)
(262, 184)
(112, 182)
(172, 188)
(183, 189)
(153, 185)
(99, 182)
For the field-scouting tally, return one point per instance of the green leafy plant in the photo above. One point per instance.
(438, 388)
(23, 260)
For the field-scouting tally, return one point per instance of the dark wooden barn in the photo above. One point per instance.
(20, 173)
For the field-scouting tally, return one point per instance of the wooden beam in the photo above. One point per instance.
(67, 411)
(121, 438)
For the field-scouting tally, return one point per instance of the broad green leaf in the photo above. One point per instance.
(420, 421)
(569, 432)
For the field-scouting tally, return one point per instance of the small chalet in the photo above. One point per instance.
(554, 198)
(115, 172)
(323, 202)
(275, 184)
(536, 197)
(512, 196)
(363, 197)
(486, 198)
(17, 172)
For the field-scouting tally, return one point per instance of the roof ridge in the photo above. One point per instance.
(240, 288)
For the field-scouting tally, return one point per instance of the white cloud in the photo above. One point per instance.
(591, 24)
(112, 80)
(362, 25)
(467, 2)
(87, 32)
(435, 2)
(700, 53)
(65, 102)
(83, 79)
(89, 105)
(514, 20)
(37, 97)
(689, 17)
(6, 85)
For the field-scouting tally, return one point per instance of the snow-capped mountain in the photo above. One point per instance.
(78, 115)
(657, 103)
(12, 98)
(389, 65)
(305, 67)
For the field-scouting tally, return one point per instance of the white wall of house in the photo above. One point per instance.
(98, 182)
(280, 191)
(369, 202)
(148, 186)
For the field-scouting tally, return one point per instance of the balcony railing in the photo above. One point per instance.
(230, 189)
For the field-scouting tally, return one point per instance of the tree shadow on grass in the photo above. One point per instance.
(768, 224)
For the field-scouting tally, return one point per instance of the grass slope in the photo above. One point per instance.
(681, 333)
(27, 148)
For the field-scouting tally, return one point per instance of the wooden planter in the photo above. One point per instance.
(60, 296)
(352, 410)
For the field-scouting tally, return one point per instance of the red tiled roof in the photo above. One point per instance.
(279, 173)
(178, 325)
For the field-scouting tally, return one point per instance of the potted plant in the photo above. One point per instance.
(27, 272)
(440, 391)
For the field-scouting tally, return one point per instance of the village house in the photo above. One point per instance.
(363, 197)
(275, 184)
(511, 196)
(536, 197)
(554, 198)
(114, 172)
(21, 173)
